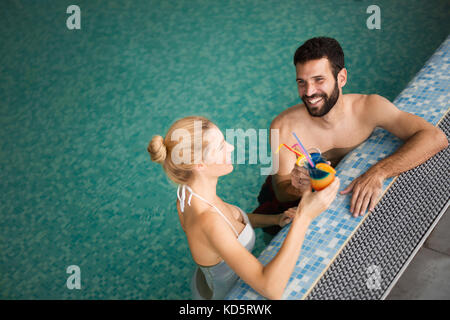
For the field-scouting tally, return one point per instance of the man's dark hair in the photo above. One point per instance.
(321, 47)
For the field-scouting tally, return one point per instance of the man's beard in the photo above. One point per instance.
(328, 102)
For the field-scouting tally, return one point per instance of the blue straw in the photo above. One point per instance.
(311, 162)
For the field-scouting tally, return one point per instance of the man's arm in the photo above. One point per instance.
(422, 141)
(267, 220)
(283, 188)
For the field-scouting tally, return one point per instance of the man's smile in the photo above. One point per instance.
(315, 101)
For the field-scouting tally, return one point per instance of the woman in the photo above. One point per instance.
(220, 235)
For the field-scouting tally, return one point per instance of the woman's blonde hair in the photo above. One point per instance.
(160, 149)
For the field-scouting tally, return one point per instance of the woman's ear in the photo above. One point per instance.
(199, 167)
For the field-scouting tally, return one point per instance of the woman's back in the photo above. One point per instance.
(220, 278)
(193, 222)
(213, 279)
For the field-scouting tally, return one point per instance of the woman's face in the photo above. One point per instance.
(217, 154)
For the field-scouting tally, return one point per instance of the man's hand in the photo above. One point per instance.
(366, 191)
(300, 179)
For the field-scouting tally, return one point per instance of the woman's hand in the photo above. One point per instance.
(287, 216)
(313, 204)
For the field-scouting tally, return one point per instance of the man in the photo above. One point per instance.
(336, 124)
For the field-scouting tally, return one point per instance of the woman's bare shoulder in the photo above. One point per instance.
(199, 219)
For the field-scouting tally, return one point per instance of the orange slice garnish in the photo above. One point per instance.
(325, 167)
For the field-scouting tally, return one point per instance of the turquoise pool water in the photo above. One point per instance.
(77, 109)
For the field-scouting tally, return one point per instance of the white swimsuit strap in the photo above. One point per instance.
(182, 198)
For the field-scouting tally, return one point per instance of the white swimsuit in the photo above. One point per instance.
(214, 282)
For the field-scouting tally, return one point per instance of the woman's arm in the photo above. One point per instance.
(270, 280)
(278, 271)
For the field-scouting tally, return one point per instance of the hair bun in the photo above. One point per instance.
(157, 149)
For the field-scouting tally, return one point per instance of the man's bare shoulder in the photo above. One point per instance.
(361, 105)
(373, 109)
(364, 101)
(356, 100)
(375, 106)
(287, 117)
